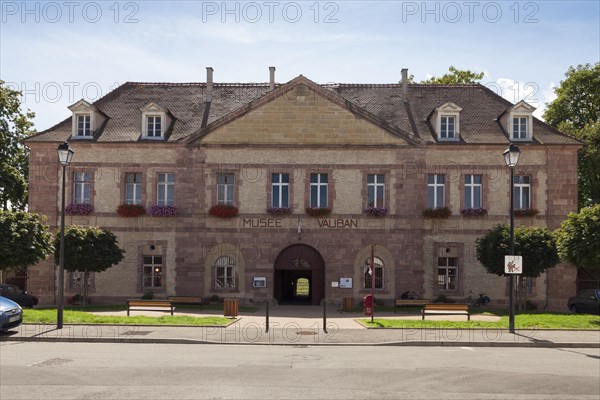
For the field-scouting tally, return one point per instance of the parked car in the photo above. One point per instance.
(20, 297)
(11, 314)
(586, 301)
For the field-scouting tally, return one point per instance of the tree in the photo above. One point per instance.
(578, 98)
(15, 125)
(578, 237)
(24, 239)
(88, 249)
(576, 111)
(455, 77)
(536, 245)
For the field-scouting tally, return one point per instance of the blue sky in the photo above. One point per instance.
(59, 52)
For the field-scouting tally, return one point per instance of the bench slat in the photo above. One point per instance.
(149, 304)
(409, 302)
(446, 309)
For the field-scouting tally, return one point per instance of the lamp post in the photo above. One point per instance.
(511, 158)
(65, 155)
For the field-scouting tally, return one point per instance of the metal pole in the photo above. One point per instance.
(511, 303)
(61, 262)
(267, 317)
(372, 281)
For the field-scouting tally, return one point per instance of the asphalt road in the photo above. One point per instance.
(168, 371)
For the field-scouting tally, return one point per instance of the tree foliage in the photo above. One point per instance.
(536, 245)
(578, 98)
(455, 77)
(578, 238)
(88, 249)
(24, 239)
(15, 125)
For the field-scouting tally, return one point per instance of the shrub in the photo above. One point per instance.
(529, 212)
(376, 211)
(318, 211)
(474, 212)
(279, 210)
(439, 213)
(148, 296)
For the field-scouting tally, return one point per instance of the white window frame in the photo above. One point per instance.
(519, 134)
(277, 201)
(81, 185)
(86, 130)
(372, 188)
(447, 110)
(470, 197)
(435, 185)
(225, 189)
(379, 267)
(317, 186)
(226, 278)
(152, 132)
(445, 133)
(149, 114)
(519, 187)
(164, 181)
(154, 273)
(519, 111)
(445, 284)
(135, 187)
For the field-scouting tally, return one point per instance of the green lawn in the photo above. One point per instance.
(522, 321)
(48, 316)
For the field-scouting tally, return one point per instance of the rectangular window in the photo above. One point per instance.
(84, 125)
(472, 191)
(378, 264)
(152, 272)
(435, 191)
(133, 188)
(522, 192)
(81, 187)
(447, 127)
(165, 190)
(447, 273)
(520, 128)
(224, 273)
(318, 190)
(376, 190)
(153, 126)
(225, 189)
(280, 190)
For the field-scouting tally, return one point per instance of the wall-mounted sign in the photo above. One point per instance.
(335, 284)
(346, 283)
(259, 282)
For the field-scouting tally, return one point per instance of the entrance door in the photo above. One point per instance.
(299, 276)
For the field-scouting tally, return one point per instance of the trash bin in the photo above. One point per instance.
(348, 304)
(230, 307)
(368, 305)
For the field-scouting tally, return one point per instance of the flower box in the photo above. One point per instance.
(131, 210)
(438, 213)
(79, 209)
(376, 211)
(318, 211)
(528, 212)
(473, 212)
(279, 210)
(162, 211)
(223, 211)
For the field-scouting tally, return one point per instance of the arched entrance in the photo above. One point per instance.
(299, 276)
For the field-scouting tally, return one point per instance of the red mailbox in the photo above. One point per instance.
(368, 304)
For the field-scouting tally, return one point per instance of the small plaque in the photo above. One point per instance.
(346, 283)
(513, 264)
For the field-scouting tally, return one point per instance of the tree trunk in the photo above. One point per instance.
(85, 287)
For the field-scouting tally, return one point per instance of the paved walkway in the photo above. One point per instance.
(303, 326)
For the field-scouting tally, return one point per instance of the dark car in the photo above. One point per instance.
(586, 301)
(11, 314)
(20, 297)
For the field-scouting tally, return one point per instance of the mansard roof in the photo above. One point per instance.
(381, 104)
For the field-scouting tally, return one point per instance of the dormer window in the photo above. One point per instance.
(155, 121)
(446, 122)
(84, 125)
(518, 122)
(447, 127)
(153, 126)
(86, 120)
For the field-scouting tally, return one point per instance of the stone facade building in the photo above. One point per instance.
(374, 156)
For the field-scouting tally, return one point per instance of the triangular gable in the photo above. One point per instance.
(449, 106)
(82, 106)
(522, 106)
(301, 111)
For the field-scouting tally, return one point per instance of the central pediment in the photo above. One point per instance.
(301, 112)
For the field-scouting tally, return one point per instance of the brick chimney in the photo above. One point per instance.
(405, 85)
(209, 82)
(271, 78)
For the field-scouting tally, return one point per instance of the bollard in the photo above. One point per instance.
(267, 317)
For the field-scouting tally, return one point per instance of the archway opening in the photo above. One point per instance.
(299, 276)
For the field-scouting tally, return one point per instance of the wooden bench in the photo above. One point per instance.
(186, 300)
(409, 303)
(446, 309)
(154, 305)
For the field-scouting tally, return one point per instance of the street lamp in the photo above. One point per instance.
(511, 158)
(65, 155)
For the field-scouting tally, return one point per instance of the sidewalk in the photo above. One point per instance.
(303, 326)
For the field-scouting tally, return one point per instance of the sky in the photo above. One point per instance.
(59, 52)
